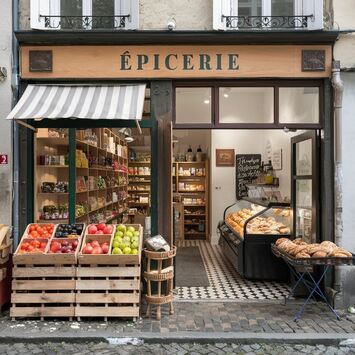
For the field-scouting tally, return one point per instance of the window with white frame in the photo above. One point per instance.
(267, 14)
(84, 14)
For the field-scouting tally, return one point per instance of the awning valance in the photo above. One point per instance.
(122, 102)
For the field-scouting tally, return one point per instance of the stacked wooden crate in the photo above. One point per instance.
(5, 264)
(108, 285)
(43, 284)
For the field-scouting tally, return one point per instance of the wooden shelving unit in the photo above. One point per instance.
(98, 164)
(191, 182)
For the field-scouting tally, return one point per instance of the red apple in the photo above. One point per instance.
(101, 226)
(107, 230)
(99, 232)
(74, 244)
(88, 249)
(95, 244)
(97, 250)
(92, 229)
(105, 248)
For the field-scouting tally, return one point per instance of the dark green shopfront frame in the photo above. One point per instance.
(72, 125)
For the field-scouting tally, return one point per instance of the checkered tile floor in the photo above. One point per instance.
(225, 283)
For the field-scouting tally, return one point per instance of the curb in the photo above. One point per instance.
(334, 339)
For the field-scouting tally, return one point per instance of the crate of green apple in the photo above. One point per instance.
(112, 244)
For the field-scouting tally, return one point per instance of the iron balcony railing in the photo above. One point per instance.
(266, 22)
(85, 22)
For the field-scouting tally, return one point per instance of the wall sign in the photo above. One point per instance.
(40, 61)
(181, 61)
(247, 169)
(225, 157)
(313, 60)
(277, 159)
(4, 159)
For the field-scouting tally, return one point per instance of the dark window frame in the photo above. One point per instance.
(276, 84)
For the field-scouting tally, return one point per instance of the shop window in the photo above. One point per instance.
(299, 105)
(266, 14)
(246, 105)
(84, 14)
(193, 105)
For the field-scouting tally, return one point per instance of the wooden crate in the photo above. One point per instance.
(109, 285)
(5, 245)
(40, 291)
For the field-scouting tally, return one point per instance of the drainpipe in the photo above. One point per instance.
(15, 130)
(338, 88)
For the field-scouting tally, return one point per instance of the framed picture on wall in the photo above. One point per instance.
(277, 159)
(225, 157)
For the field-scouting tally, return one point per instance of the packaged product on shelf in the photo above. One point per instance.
(157, 243)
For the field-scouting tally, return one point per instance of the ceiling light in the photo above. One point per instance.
(226, 95)
(206, 102)
(129, 139)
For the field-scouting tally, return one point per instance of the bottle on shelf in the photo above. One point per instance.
(199, 154)
(269, 176)
(189, 154)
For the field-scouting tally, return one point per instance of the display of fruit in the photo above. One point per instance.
(95, 247)
(43, 231)
(100, 228)
(34, 246)
(63, 246)
(69, 230)
(126, 240)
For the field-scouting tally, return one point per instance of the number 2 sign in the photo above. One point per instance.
(4, 160)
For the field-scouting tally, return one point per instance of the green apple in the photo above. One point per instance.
(117, 251)
(127, 250)
(134, 245)
(135, 239)
(129, 234)
(119, 234)
(121, 228)
(126, 239)
(131, 229)
(118, 239)
(136, 234)
(115, 244)
(134, 251)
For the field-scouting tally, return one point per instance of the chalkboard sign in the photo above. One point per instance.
(247, 168)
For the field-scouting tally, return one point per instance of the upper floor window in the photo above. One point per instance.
(84, 14)
(267, 14)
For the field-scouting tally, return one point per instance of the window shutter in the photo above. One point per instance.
(315, 8)
(128, 7)
(220, 8)
(38, 7)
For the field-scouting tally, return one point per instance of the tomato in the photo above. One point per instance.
(32, 228)
(34, 234)
(30, 248)
(25, 245)
(43, 245)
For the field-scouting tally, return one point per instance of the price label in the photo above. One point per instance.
(4, 159)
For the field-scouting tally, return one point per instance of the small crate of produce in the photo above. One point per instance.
(5, 245)
(108, 274)
(44, 271)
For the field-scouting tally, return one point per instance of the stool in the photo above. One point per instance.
(163, 273)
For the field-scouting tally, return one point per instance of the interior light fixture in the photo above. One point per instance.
(226, 95)
(206, 101)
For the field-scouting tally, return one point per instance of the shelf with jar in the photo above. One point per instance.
(191, 186)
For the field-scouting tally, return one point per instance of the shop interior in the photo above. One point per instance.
(204, 188)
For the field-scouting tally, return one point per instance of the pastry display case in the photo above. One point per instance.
(248, 229)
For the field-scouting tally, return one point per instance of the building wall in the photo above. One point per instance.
(5, 107)
(155, 15)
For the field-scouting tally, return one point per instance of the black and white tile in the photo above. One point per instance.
(225, 283)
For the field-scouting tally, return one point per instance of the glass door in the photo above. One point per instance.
(305, 186)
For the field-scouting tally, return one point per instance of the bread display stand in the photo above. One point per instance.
(248, 250)
(163, 273)
(108, 286)
(302, 269)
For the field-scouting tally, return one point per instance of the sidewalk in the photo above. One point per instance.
(204, 322)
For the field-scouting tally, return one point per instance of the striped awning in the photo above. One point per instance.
(121, 102)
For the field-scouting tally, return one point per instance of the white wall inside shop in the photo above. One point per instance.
(5, 107)
(193, 138)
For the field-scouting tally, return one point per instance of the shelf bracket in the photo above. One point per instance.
(20, 122)
(139, 127)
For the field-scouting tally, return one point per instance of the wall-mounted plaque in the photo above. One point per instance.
(224, 157)
(313, 60)
(41, 61)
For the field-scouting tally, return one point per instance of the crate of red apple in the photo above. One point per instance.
(49, 243)
(112, 244)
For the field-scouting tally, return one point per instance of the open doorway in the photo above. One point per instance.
(224, 251)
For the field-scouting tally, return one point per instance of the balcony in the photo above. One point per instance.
(266, 22)
(85, 22)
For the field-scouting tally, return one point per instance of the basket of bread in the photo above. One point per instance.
(299, 252)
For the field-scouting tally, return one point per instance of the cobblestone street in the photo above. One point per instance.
(173, 348)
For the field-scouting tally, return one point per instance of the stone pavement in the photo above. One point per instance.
(193, 320)
(173, 348)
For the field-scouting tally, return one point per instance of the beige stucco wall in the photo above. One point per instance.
(344, 19)
(154, 15)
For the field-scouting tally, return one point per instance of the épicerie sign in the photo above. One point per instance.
(179, 61)
(171, 62)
